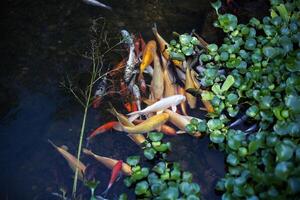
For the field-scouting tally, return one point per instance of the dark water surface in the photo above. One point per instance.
(40, 45)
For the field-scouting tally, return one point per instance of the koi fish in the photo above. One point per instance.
(197, 92)
(129, 69)
(97, 3)
(148, 55)
(169, 86)
(164, 103)
(103, 128)
(139, 139)
(168, 130)
(148, 125)
(131, 106)
(117, 68)
(137, 95)
(142, 84)
(189, 84)
(183, 103)
(163, 45)
(127, 38)
(157, 83)
(73, 162)
(100, 92)
(108, 162)
(114, 175)
(123, 88)
(178, 120)
(139, 45)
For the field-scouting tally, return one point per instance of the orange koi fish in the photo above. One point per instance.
(131, 106)
(103, 128)
(148, 55)
(117, 68)
(72, 160)
(116, 172)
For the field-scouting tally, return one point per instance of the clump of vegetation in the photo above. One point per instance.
(256, 72)
(165, 180)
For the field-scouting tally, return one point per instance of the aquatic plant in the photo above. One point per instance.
(254, 77)
(164, 180)
(99, 49)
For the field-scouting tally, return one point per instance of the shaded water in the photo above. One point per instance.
(40, 44)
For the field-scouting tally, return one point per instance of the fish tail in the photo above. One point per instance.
(52, 143)
(106, 191)
(133, 117)
(154, 28)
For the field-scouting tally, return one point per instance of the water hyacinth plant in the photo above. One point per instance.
(165, 180)
(260, 86)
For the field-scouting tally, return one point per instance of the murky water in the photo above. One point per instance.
(39, 47)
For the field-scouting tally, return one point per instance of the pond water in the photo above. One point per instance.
(40, 45)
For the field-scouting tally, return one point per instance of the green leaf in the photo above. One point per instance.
(283, 169)
(228, 83)
(216, 5)
(141, 188)
(171, 193)
(155, 136)
(294, 185)
(187, 177)
(216, 137)
(175, 174)
(133, 160)
(228, 22)
(207, 96)
(216, 89)
(185, 39)
(149, 153)
(284, 152)
(253, 146)
(123, 196)
(293, 102)
(161, 148)
(160, 168)
(186, 50)
(232, 159)
(177, 56)
(283, 12)
(212, 47)
(195, 41)
(215, 124)
(269, 52)
(252, 111)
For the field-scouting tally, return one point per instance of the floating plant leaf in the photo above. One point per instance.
(160, 167)
(228, 83)
(216, 137)
(149, 153)
(133, 160)
(185, 39)
(187, 50)
(155, 136)
(284, 152)
(228, 22)
(141, 188)
(171, 193)
(216, 5)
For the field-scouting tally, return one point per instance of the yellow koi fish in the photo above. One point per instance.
(148, 125)
(157, 83)
(148, 55)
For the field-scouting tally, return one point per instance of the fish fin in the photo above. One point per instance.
(64, 147)
(54, 145)
(120, 175)
(180, 132)
(174, 108)
(106, 190)
(87, 152)
(133, 117)
(159, 112)
(134, 113)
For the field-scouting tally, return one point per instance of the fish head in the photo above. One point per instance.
(180, 98)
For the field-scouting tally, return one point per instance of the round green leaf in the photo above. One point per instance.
(141, 188)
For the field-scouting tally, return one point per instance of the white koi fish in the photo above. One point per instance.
(164, 103)
(97, 3)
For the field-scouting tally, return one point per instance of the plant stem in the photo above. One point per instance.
(87, 103)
